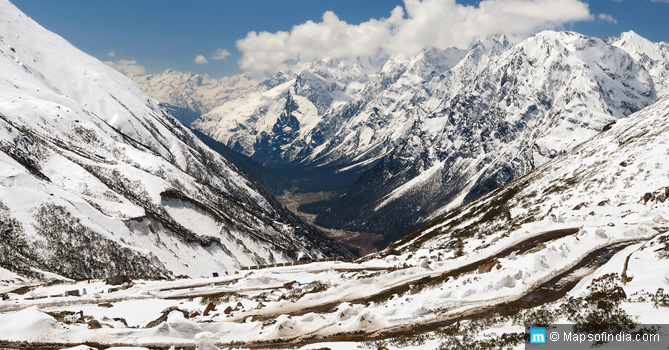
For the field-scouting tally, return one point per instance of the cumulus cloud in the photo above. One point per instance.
(408, 29)
(607, 18)
(127, 67)
(199, 59)
(220, 54)
(111, 53)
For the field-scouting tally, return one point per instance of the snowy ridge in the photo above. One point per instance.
(97, 179)
(616, 176)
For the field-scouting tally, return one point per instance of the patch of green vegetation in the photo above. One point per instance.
(402, 341)
(539, 316)
(599, 310)
(467, 335)
(460, 335)
(70, 248)
(659, 298)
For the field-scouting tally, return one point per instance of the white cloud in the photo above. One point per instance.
(127, 67)
(111, 53)
(220, 54)
(420, 23)
(199, 59)
(607, 18)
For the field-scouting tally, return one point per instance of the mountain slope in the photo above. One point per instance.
(344, 111)
(654, 57)
(614, 181)
(97, 179)
(523, 106)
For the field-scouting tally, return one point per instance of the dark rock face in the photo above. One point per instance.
(283, 133)
(210, 307)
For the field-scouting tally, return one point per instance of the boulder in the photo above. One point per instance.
(163, 316)
(488, 265)
(118, 280)
(211, 307)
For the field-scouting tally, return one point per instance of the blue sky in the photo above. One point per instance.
(162, 34)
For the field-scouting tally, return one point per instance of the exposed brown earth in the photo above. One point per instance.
(364, 241)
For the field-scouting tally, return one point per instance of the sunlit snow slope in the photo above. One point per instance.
(97, 179)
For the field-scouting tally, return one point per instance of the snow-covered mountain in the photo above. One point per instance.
(580, 240)
(97, 179)
(197, 92)
(517, 109)
(615, 181)
(190, 95)
(333, 111)
(422, 135)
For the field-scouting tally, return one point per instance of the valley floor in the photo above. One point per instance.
(363, 241)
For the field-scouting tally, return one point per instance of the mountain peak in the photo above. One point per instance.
(637, 46)
(631, 35)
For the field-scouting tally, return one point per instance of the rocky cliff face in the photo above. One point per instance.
(97, 179)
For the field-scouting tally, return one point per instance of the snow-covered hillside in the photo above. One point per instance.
(97, 179)
(428, 133)
(581, 239)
